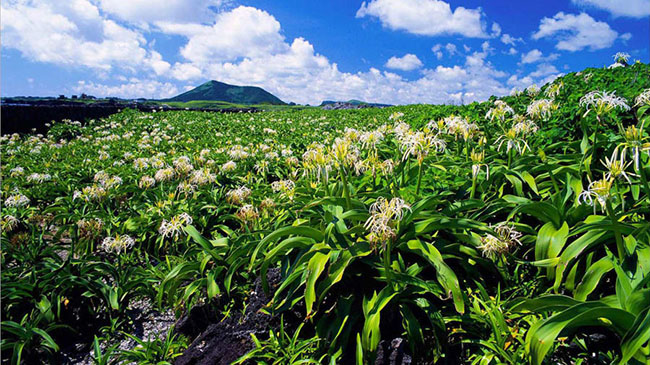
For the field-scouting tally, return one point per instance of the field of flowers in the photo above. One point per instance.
(511, 231)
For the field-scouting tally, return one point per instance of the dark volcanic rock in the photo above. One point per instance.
(392, 353)
(226, 341)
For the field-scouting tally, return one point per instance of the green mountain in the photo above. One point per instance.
(219, 91)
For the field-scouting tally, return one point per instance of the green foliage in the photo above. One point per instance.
(480, 232)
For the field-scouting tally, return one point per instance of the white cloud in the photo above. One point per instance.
(242, 32)
(449, 47)
(143, 12)
(425, 17)
(510, 40)
(536, 55)
(436, 49)
(186, 71)
(496, 30)
(543, 70)
(576, 32)
(408, 62)
(134, 88)
(74, 33)
(532, 56)
(512, 51)
(243, 46)
(629, 8)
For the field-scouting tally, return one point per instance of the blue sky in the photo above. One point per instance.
(390, 51)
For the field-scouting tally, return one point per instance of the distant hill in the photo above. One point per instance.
(219, 91)
(350, 104)
(353, 102)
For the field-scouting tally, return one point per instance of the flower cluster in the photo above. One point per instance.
(16, 200)
(602, 102)
(383, 215)
(238, 196)
(286, 187)
(173, 228)
(505, 237)
(117, 244)
(541, 109)
(599, 191)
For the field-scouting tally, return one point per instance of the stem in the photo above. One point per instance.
(326, 185)
(417, 189)
(620, 248)
(346, 191)
(644, 180)
(509, 158)
(471, 194)
(386, 260)
(620, 195)
(552, 176)
(593, 146)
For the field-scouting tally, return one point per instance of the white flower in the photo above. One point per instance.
(621, 57)
(525, 126)
(383, 213)
(598, 191)
(532, 90)
(117, 244)
(39, 178)
(141, 164)
(602, 102)
(186, 187)
(513, 141)
(286, 187)
(541, 109)
(17, 200)
(500, 111)
(643, 98)
(505, 237)
(247, 214)
(369, 140)
(637, 142)
(146, 182)
(238, 195)
(228, 166)
(202, 177)
(616, 167)
(164, 174)
(174, 227)
(17, 171)
(8, 223)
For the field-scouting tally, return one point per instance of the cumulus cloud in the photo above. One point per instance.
(449, 47)
(576, 32)
(425, 17)
(74, 34)
(242, 32)
(408, 62)
(245, 46)
(134, 88)
(510, 40)
(536, 55)
(627, 8)
(144, 12)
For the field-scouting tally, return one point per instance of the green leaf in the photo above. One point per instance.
(371, 310)
(213, 288)
(592, 277)
(444, 273)
(542, 338)
(314, 269)
(636, 337)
